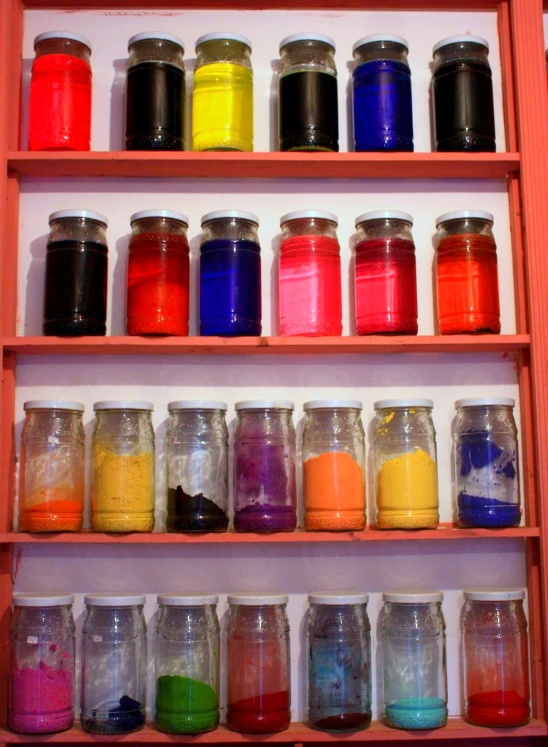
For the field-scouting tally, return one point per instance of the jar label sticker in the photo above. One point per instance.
(32, 639)
(97, 638)
(53, 440)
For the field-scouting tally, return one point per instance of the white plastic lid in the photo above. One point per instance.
(374, 38)
(241, 214)
(123, 404)
(90, 214)
(380, 214)
(159, 214)
(300, 214)
(306, 36)
(197, 404)
(264, 404)
(484, 401)
(162, 35)
(395, 403)
(223, 35)
(114, 600)
(459, 39)
(257, 599)
(62, 35)
(53, 404)
(412, 596)
(338, 597)
(38, 599)
(460, 214)
(187, 600)
(324, 404)
(494, 595)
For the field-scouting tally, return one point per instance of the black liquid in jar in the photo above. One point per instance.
(309, 118)
(155, 107)
(76, 288)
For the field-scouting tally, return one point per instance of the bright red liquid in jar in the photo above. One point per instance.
(467, 285)
(498, 708)
(310, 286)
(157, 284)
(60, 103)
(386, 287)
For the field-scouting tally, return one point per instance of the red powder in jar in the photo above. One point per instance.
(498, 708)
(261, 714)
(41, 699)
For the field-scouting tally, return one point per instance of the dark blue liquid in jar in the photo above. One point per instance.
(230, 288)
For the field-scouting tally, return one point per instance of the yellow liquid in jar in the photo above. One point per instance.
(222, 107)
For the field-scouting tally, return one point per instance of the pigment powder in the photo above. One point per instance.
(42, 699)
(193, 513)
(344, 722)
(407, 492)
(185, 705)
(127, 716)
(416, 713)
(56, 509)
(500, 708)
(260, 715)
(334, 492)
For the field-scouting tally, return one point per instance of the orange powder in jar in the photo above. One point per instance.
(53, 510)
(334, 492)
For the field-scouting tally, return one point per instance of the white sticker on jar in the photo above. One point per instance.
(32, 639)
(53, 440)
(97, 638)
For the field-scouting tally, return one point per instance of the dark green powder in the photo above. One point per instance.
(185, 705)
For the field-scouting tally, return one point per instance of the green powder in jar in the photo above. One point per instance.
(185, 705)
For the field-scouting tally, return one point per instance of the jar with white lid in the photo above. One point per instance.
(114, 664)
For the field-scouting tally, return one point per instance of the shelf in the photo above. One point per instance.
(265, 165)
(269, 4)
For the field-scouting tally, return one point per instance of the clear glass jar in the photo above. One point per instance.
(122, 485)
(339, 661)
(222, 99)
(495, 658)
(310, 274)
(197, 467)
(406, 472)
(158, 274)
(485, 449)
(75, 298)
(51, 476)
(41, 684)
(230, 274)
(465, 267)
(114, 664)
(187, 664)
(385, 274)
(333, 465)
(414, 660)
(258, 663)
(60, 92)
(308, 101)
(265, 493)
(155, 96)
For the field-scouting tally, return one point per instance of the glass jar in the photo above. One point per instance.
(222, 99)
(467, 286)
(406, 472)
(310, 275)
(51, 477)
(187, 664)
(60, 92)
(41, 686)
(495, 658)
(383, 113)
(158, 274)
(485, 449)
(75, 300)
(197, 467)
(339, 661)
(122, 485)
(265, 494)
(414, 660)
(463, 114)
(258, 663)
(230, 274)
(308, 101)
(385, 274)
(114, 664)
(155, 96)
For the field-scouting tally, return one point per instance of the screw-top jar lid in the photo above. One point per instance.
(123, 404)
(338, 597)
(153, 35)
(333, 404)
(187, 600)
(62, 35)
(114, 600)
(485, 401)
(89, 214)
(241, 214)
(221, 35)
(460, 39)
(152, 213)
(412, 596)
(53, 404)
(374, 38)
(307, 37)
(38, 599)
(461, 214)
(264, 404)
(257, 599)
(394, 404)
(301, 214)
(196, 404)
(494, 595)
(384, 215)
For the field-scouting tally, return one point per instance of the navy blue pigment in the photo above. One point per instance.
(383, 114)
(487, 512)
(230, 288)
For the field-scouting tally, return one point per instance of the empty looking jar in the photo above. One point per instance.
(60, 92)
(114, 664)
(308, 104)
(333, 465)
(385, 274)
(414, 660)
(486, 463)
(187, 664)
(495, 657)
(310, 274)
(158, 274)
(155, 97)
(75, 299)
(258, 663)
(197, 467)
(264, 467)
(406, 473)
(230, 274)
(41, 686)
(122, 485)
(466, 272)
(222, 100)
(339, 661)
(51, 477)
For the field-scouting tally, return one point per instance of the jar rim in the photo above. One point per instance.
(114, 600)
(223, 35)
(485, 401)
(461, 214)
(333, 404)
(264, 404)
(374, 38)
(155, 35)
(307, 36)
(333, 598)
(123, 404)
(187, 600)
(218, 214)
(52, 404)
(386, 214)
(412, 596)
(46, 35)
(197, 404)
(158, 213)
(39, 599)
(257, 598)
(89, 214)
(493, 595)
(394, 404)
(300, 214)
(460, 39)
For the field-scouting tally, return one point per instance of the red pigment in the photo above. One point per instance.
(41, 699)
(498, 708)
(261, 714)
